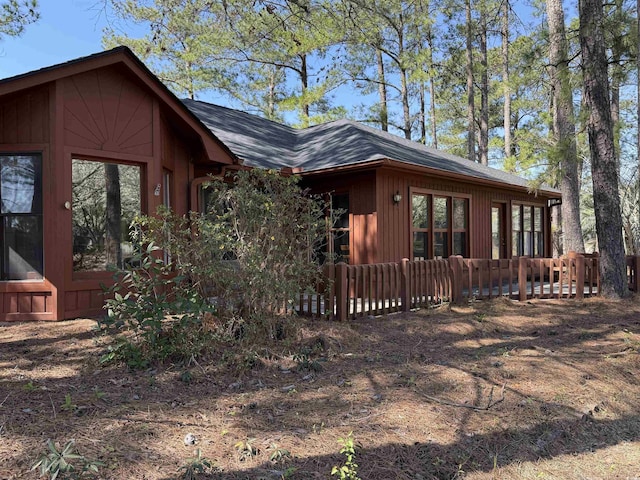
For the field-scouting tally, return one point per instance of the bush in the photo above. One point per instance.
(242, 262)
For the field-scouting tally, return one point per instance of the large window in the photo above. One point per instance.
(21, 217)
(106, 198)
(527, 230)
(439, 225)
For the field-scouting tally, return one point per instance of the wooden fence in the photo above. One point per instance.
(351, 291)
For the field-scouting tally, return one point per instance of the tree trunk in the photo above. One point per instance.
(423, 114)
(606, 200)
(406, 114)
(505, 78)
(432, 93)
(382, 92)
(617, 76)
(638, 116)
(113, 214)
(564, 151)
(471, 114)
(304, 80)
(483, 147)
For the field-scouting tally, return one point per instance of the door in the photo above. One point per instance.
(498, 231)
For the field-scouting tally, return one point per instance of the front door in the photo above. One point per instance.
(498, 231)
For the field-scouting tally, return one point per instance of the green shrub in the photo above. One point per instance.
(242, 263)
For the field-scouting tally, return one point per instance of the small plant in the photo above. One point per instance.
(65, 463)
(195, 466)
(315, 428)
(288, 473)
(186, 376)
(99, 394)
(349, 470)
(304, 361)
(68, 405)
(247, 449)
(279, 455)
(30, 387)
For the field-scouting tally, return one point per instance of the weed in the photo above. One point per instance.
(29, 387)
(195, 466)
(65, 463)
(304, 361)
(315, 428)
(279, 455)
(288, 473)
(186, 376)
(99, 394)
(349, 470)
(246, 449)
(68, 405)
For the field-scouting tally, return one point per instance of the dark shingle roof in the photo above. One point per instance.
(267, 144)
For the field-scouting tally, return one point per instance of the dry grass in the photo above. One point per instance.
(570, 371)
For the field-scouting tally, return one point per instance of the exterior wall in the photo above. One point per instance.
(104, 114)
(25, 127)
(394, 221)
(363, 218)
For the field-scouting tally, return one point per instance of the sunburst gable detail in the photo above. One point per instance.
(103, 110)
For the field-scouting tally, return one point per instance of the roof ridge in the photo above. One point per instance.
(103, 53)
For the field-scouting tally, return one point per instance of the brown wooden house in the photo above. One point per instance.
(87, 144)
(71, 137)
(402, 199)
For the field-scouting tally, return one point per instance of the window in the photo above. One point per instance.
(460, 217)
(21, 212)
(106, 198)
(420, 223)
(439, 225)
(528, 232)
(339, 228)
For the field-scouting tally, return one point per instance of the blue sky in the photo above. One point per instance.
(67, 29)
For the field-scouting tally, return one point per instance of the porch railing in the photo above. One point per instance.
(351, 291)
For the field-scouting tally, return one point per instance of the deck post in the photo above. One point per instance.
(522, 277)
(342, 309)
(636, 271)
(455, 263)
(405, 286)
(580, 270)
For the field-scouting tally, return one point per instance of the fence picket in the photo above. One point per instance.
(350, 291)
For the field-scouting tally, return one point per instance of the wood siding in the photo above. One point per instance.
(394, 222)
(363, 218)
(105, 110)
(104, 114)
(24, 118)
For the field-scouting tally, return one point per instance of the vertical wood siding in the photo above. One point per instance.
(394, 222)
(24, 118)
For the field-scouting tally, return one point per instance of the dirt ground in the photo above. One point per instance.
(493, 390)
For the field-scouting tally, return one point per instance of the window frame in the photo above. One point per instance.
(431, 230)
(333, 231)
(143, 196)
(39, 216)
(518, 249)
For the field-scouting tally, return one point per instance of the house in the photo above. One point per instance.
(402, 199)
(87, 144)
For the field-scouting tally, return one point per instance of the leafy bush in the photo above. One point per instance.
(241, 263)
(161, 310)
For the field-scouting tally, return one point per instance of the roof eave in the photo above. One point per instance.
(412, 168)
